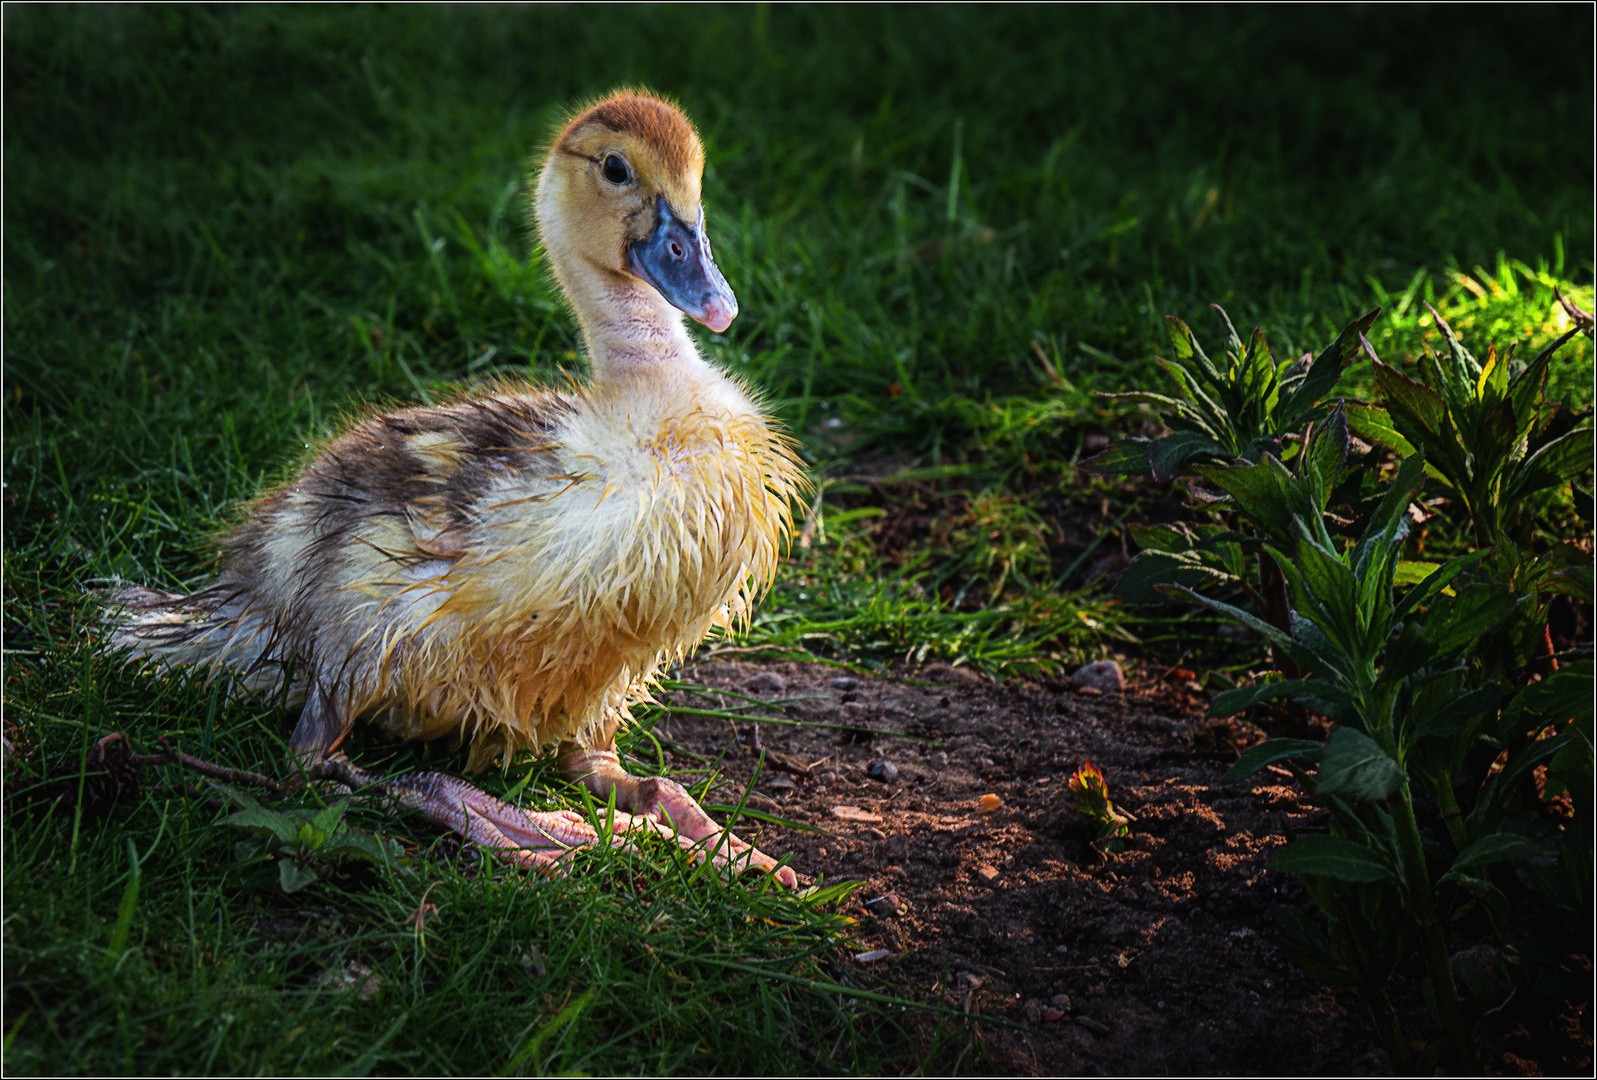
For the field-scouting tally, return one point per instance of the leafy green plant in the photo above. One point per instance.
(1487, 431)
(1091, 793)
(1406, 658)
(1392, 673)
(1241, 408)
(1249, 411)
(307, 844)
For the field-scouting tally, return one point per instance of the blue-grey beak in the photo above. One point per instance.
(675, 258)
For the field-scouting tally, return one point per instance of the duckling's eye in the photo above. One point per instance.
(615, 170)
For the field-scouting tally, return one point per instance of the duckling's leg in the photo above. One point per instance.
(665, 803)
(534, 839)
(321, 727)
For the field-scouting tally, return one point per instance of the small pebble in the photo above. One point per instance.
(872, 956)
(885, 771)
(988, 873)
(1104, 675)
(844, 683)
(989, 803)
(1094, 1026)
(854, 813)
(1060, 1002)
(939, 760)
(768, 682)
(780, 782)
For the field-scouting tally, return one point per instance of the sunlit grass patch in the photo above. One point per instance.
(1511, 303)
(840, 598)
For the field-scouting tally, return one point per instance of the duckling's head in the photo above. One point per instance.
(619, 193)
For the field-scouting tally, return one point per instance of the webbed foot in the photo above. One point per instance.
(666, 804)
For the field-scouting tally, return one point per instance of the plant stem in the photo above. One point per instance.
(1433, 945)
(1277, 610)
(1451, 814)
(1386, 1023)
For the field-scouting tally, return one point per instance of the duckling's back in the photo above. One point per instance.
(389, 496)
(509, 569)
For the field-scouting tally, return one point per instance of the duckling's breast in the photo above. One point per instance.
(648, 531)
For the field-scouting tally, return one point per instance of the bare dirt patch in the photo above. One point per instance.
(1159, 959)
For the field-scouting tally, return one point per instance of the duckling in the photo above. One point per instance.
(513, 570)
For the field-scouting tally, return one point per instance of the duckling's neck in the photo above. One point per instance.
(631, 333)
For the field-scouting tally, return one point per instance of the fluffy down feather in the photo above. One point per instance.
(509, 570)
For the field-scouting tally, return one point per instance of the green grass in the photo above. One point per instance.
(946, 227)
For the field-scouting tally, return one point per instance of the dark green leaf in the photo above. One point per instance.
(1453, 709)
(1459, 621)
(1527, 388)
(1327, 657)
(1326, 452)
(1233, 340)
(1564, 695)
(1436, 582)
(1490, 849)
(1354, 764)
(1231, 702)
(1417, 411)
(1168, 456)
(1334, 593)
(1187, 349)
(1138, 582)
(1324, 373)
(280, 826)
(1168, 538)
(1279, 637)
(1571, 770)
(1128, 457)
(292, 876)
(1333, 857)
(1372, 424)
(1488, 807)
(358, 844)
(331, 815)
(1483, 890)
(1493, 441)
(1262, 492)
(1330, 700)
(1561, 460)
(1387, 525)
(1468, 368)
(1269, 752)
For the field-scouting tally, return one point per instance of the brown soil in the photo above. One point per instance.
(1159, 959)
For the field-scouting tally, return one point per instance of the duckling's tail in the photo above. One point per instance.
(215, 629)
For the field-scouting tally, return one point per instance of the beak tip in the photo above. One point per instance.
(718, 317)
